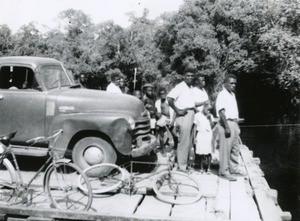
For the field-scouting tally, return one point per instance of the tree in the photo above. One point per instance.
(6, 41)
(28, 41)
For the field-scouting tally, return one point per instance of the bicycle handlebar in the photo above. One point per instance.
(36, 139)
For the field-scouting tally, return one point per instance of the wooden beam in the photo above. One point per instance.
(266, 206)
(153, 207)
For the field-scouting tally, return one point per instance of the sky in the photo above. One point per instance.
(44, 13)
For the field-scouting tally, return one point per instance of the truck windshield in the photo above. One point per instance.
(54, 76)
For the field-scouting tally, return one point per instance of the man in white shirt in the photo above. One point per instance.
(181, 101)
(199, 93)
(227, 110)
(114, 84)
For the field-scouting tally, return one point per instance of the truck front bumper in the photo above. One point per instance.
(145, 144)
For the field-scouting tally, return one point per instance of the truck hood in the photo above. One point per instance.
(79, 100)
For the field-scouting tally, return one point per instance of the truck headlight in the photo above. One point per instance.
(131, 122)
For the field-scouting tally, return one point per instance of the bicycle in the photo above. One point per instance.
(59, 182)
(169, 186)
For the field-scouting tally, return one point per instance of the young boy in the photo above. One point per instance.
(149, 102)
(204, 124)
(165, 120)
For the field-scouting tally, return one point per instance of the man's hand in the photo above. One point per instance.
(227, 132)
(180, 112)
(206, 102)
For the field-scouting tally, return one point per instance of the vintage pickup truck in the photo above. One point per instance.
(39, 96)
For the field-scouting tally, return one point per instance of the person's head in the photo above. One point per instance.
(82, 78)
(230, 82)
(162, 93)
(115, 78)
(148, 90)
(122, 82)
(207, 107)
(189, 75)
(138, 94)
(200, 80)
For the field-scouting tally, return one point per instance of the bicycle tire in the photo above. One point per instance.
(176, 188)
(8, 180)
(109, 181)
(62, 187)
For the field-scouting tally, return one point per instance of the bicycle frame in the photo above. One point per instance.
(50, 161)
(46, 164)
(133, 180)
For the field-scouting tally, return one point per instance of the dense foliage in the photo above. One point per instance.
(258, 40)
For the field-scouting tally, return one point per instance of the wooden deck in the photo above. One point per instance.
(247, 199)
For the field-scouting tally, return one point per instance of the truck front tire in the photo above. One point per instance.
(93, 150)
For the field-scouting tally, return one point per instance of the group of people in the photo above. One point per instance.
(184, 113)
(192, 107)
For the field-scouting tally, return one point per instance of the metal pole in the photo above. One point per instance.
(134, 78)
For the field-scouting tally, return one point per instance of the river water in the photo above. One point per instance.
(278, 147)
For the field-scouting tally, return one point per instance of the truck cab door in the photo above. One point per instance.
(22, 104)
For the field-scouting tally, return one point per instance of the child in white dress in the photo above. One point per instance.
(204, 143)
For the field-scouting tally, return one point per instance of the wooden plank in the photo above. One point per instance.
(222, 207)
(72, 215)
(116, 204)
(266, 206)
(15, 219)
(208, 183)
(151, 206)
(192, 211)
(210, 209)
(242, 206)
(39, 198)
(285, 216)
(34, 218)
(259, 183)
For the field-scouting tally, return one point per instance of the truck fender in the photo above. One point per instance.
(115, 128)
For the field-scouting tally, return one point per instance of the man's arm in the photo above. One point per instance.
(178, 112)
(198, 104)
(224, 123)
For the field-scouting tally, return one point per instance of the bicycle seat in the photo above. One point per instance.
(5, 139)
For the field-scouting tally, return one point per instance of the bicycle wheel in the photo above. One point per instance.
(106, 182)
(62, 187)
(176, 188)
(8, 180)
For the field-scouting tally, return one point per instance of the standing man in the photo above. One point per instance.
(83, 80)
(227, 110)
(122, 85)
(114, 84)
(181, 101)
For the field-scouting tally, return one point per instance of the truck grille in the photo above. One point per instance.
(142, 127)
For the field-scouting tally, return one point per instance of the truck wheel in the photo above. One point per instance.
(93, 150)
